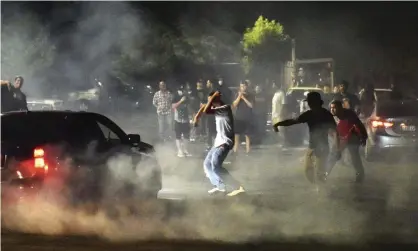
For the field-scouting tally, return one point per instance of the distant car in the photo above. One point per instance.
(45, 104)
(392, 127)
(36, 146)
(298, 93)
(382, 94)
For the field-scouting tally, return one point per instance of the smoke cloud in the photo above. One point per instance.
(292, 211)
(26, 50)
(285, 211)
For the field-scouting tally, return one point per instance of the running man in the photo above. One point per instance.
(321, 123)
(224, 142)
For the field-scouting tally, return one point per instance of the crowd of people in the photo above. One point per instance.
(342, 124)
(334, 115)
(244, 113)
(250, 107)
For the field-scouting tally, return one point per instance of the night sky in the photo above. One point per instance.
(350, 32)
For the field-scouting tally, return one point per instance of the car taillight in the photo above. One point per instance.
(39, 159)
(381, 124)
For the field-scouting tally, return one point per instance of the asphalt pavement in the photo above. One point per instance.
(280, 211)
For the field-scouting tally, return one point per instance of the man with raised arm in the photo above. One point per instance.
(224, 142)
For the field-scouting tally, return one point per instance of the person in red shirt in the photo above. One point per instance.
(352, 134)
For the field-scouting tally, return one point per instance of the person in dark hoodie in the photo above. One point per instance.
(13, 99)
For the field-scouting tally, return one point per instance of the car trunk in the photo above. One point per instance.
(403, 126)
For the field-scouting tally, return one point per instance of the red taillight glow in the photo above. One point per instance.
(39, 161)
(38, 152)
(381, 124)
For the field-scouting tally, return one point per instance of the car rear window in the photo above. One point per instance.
(398, 110)
(383, 95)
(49, 128)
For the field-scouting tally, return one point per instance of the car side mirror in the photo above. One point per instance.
(135, 139)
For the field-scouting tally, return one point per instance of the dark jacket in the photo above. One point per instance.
(12, 99)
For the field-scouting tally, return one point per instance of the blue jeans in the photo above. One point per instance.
(165, 125)
(212, 166)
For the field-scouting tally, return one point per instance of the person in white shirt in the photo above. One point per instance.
(224, 142)
(277, 111)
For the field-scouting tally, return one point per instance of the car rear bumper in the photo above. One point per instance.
(12, 194)
(395, 145)
(387, 142)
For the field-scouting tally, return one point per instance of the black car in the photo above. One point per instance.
(88, 152)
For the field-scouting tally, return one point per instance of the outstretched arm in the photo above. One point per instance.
(303, 118)
(287, 122)
(5, 83)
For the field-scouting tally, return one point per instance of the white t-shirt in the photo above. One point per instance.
(224, 126)
(277, 105)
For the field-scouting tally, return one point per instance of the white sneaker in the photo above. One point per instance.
(187, 154)
(236, 192)
(216, 190)
(180, 155)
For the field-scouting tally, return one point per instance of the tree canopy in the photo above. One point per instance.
(162, 50)
(265, 46)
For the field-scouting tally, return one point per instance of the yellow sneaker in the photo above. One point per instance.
(236, 192)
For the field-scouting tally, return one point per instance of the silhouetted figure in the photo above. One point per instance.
(321, 123)
(13, 99)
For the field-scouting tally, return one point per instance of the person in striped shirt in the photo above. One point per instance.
(163, 102)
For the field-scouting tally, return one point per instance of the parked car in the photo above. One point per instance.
(392, 128)
(382, 94)
(45, 104)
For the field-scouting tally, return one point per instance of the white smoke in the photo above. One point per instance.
(26, 50)
(293, 211)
